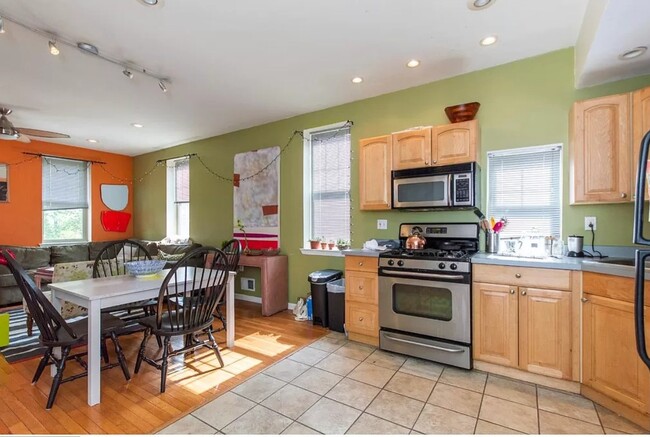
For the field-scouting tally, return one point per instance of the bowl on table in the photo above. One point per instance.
(145, 267)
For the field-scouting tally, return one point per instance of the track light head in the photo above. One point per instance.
(2, 25)
(127, 73)
(162, 86)
(54, 50)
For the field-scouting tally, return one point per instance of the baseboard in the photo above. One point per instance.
(257, 299)
(643, 420)
(546, 381)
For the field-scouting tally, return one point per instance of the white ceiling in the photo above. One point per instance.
(238, 64)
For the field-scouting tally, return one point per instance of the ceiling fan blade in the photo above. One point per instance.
(23, 139)
(40, 133)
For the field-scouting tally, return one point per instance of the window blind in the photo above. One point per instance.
(182, 178)
(525, 186)
(65, 184)
(330, 184)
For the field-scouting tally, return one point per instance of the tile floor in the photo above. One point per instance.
(335, 386)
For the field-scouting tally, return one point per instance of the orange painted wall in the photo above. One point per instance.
(20, 218)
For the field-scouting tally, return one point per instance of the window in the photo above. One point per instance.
(525, 185)
(327, 183)
(178, 197)
(65, 200)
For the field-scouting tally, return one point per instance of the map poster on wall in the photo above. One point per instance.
(257, 199)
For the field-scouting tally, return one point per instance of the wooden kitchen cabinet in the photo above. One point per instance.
(375, 165)
(600, 150)
(610, 363)
(640, 125)
(455, 143)
(518, 324)
(439, 145)
(361, 298)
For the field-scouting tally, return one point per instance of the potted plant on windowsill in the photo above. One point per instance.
(314, 243)
(331, 245)
(342, 244)
(323, 243)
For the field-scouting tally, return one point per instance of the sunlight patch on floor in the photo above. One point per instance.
(265, 344)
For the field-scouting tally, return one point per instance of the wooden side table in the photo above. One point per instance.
(275, 281)
(43, 274)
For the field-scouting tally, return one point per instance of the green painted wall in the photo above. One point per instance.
(524, 103)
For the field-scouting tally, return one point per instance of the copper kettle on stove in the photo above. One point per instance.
(415, 241)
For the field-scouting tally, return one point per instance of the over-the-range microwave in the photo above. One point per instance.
(445, 187)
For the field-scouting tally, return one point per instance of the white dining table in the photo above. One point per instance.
(99, 293)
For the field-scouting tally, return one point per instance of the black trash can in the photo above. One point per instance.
(318, 281)
(336, 305)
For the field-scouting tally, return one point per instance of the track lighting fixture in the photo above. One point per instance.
(127, 73)
(162, 86)
(54, 50)
(2, 25)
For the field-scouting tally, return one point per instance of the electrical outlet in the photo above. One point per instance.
(382, 224)
(590, 220)
(248, 284)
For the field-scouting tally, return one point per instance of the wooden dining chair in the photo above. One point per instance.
(232, 249)
(196, 292)
(57, 333)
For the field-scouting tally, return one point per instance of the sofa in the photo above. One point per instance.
(31, 258)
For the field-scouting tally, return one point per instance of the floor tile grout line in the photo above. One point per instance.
(425, 404)
(200, 420)
(480, 407)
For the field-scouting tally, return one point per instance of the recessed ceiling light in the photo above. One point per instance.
(150, 2)
(88, 48)
(127, 73)
(357, 79)
(413, 63)
(489, 40)
(54, 50)
(477, 5)
(2, 25)
(90, 140)
(634, 53)
(137, 125)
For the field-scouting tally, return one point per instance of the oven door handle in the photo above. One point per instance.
(422, 275)
(430, 346)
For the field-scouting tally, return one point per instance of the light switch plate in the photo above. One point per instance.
(382, 224)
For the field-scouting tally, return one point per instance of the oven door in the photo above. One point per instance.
(422, 192)
(428, 307)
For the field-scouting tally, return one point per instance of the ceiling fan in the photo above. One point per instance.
(9, 132)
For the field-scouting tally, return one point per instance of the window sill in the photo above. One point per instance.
(321, 252)
(64, 243)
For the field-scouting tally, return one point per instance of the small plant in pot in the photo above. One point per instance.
(331, 244)
(323, 243)
(342, 244)
(314, 243)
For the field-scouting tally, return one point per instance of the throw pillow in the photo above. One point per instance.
(170, 256)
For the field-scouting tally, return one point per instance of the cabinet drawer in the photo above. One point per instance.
(361, 287)
(613, 287)
(362, 263)
(523, 276)
(362, 318)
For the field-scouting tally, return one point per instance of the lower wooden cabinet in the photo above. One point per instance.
(527, 328)
(361, 295)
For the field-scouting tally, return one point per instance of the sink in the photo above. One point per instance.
(616, 261)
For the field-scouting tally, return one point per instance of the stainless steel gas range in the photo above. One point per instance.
(425, 295)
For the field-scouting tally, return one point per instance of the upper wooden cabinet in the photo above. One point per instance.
(640, 125)
(455, 143)
(375, 158)
(439, 145)
(412, 149)
(600, 150)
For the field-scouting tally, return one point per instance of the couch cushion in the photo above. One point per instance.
(29, 257)
(95, 247)
(151, 246)
(69, 254)
(171, 249)
(7, 279)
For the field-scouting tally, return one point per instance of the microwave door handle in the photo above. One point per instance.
(640, 192)
(450, 180)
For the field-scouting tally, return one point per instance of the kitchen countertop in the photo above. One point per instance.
(361, 252)
(564, 263)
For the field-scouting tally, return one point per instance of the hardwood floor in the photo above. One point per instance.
(137, 406)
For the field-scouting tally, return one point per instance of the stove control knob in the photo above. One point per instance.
(391, 262)
(400, 263)
(453, 266)
(441, 265)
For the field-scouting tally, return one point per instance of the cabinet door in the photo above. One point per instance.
(495, 324)
(361, 287)
(545, 332)
(640, 125)
(375, 160)
(600, 150)
(411, 149)
(455, 143)
(362, 319)
(610, 363)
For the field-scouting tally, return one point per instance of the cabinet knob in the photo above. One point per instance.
(623, 195)
(426, 162)
(360, 287)
(361, 319)
(517, 275)
(584, 299)
(434, 161)
(512, 291)
(524, 292)
(360, 264)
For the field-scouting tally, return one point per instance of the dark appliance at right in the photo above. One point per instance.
(641, 254)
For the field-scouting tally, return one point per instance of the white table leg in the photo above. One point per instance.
(230, 311)
(94, 352)
(58, 304)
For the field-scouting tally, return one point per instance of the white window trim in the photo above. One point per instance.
(171, 209)
(525, 150)
(87, 229)
(306, 180)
